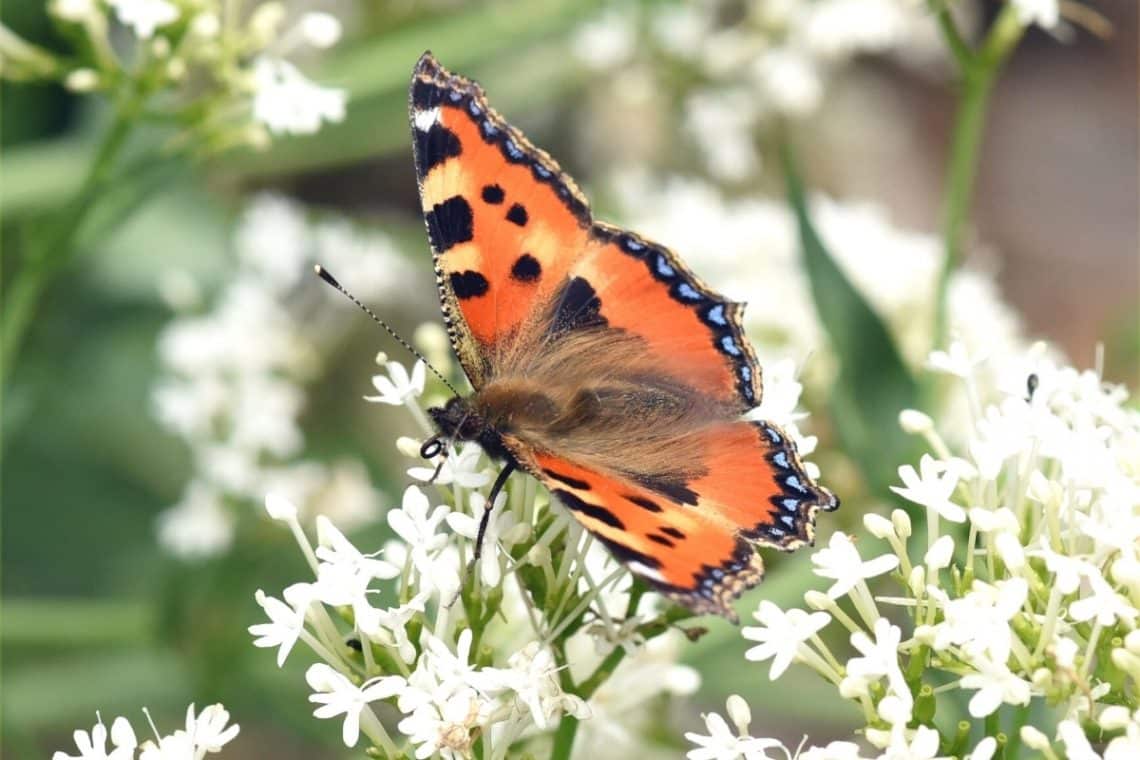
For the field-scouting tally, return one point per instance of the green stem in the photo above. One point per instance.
(57, 245)
(564, 738)
(978, 71)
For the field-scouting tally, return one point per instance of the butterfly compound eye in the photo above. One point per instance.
(431, 448)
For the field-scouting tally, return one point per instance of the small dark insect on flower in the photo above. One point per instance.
(1031, 383)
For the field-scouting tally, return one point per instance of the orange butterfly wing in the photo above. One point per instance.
(694, 541)
(504, 221)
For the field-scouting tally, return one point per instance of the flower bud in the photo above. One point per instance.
(176, 69)
(409, 447)
(1010, 551)
(75, 11)
(939, 555)
(82, 80)
(878, 526)
(817, 600)
(902, 523)
(265, 22)
(739, 712)
(206, 25)
(917, 581)
(160, 48)
(1132, 641)
(321, 30)
(1034, 739)
(280, 508)
(915, 422)
(381, 359)
(1114, 718)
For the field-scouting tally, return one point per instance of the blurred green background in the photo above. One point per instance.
(96, 616)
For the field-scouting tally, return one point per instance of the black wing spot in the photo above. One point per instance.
(468, 284)
(674, 488)
(517, 215)
(493, 194)
(435, 146)
(575, 483)
(645, 503)
(450, 223)
(660, 540)
(623, 553)
(601, 514)
(578, 307)
(669, 530)
(425, 95)
(526, 268)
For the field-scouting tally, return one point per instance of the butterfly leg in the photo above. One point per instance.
(490, 505)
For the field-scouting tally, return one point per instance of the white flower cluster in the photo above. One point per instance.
(204, 734)
(749, 249)
(254, 91)
(751, 62)
(424, 651)
(1025, 591)
(234, 374)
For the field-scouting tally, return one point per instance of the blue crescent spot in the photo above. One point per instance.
(512, 149)
(632, 245)
(746, 373)
(686, 291)
(663, 267)
(794, 482)
(489, 129)
(716, 315)
(455, 96)
(789, 521)
(772, 434)
(781, 458)
(774, 531)
(792, 505)
(542, 171)
(716, 573)
(728, 343)
(474, 109)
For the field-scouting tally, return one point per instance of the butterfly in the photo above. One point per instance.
(600, 364)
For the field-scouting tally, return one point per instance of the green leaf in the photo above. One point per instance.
(874, 384)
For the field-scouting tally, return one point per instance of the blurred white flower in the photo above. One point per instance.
(996, 684)
(144, 16)
(1044, 13)
(287, 102)
(880, 658)
(198, 526)
(284, 626)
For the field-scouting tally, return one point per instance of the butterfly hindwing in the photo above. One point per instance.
(504, 221)
(693, 540)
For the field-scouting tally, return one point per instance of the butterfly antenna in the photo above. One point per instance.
(324, 275)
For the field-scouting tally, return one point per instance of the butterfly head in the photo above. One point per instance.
(459, 420)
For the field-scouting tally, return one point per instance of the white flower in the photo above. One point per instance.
(933, 488)
(923, 745)
(841, 562)
(837, 750)
(93, 746)
(1105, 604)
(979, 621)
(75, 11)
(462, 468)
(533, 677)
(984, 750)
(445, 725)
(1044, 13)
(781, 635)
(722, 743)
(288, 103)
(957, 361)
(336, 695)
(500, 531)
(418, 525)
(208, 731)
(996, 684)
(397, 386)
(280, 508)
(335, 549)
(144, 16)
(286, 623)
(880, 657)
